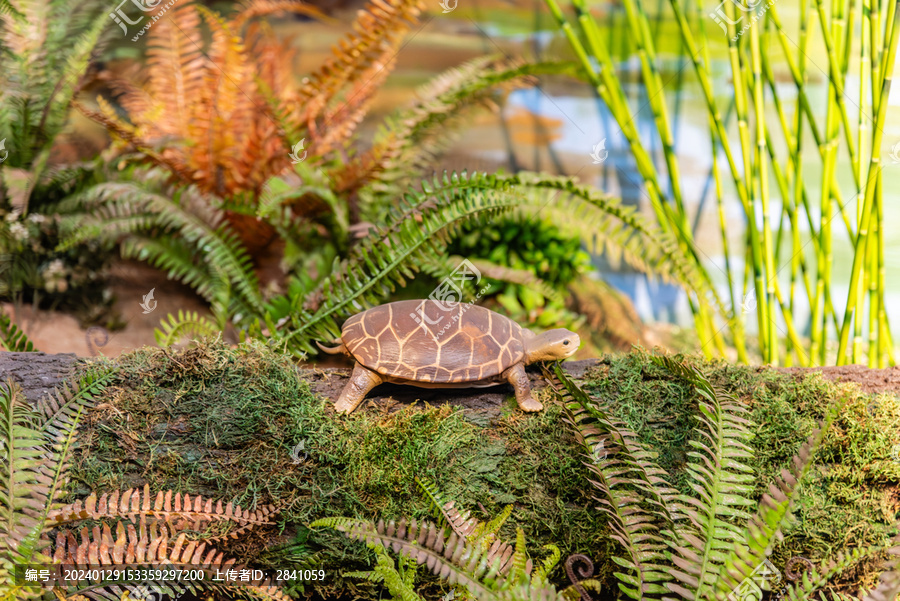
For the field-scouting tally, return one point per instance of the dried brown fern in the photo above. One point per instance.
(365, 53)
(150, 545)
(207, 119)
(180, 511)
(252, 9)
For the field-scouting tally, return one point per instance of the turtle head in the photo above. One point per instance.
(551, 345)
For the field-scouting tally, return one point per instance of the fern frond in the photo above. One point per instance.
(414, 136)
(817, 578)
(549, 562)
(721, 480)
(600, 219)
(380, 26)
(32, 475)
(381, 262)
(180, 511)
(252, 9)
(337, 523)
(127, 207)
(187, 324)
(148, 545)
(774, 513)
(462, 524)
(12, 338)
(451, 558)
(488, 530)
(7, 8)
(59, 409)
(638, 501)
(400, 587)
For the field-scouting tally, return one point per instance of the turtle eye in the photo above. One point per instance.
(565, 343)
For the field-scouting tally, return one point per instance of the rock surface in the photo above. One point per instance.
(37, 373)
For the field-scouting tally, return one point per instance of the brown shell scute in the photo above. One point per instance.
(427, 341)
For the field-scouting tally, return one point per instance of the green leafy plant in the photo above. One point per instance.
(45, 50)
(704, 544)
(529, 263)
(466, 552)
(46, 46)
(12, 338)
(150, 529)
(768, 164)
(424, 221)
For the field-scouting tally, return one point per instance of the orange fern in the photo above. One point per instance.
(179, 510)
(149, 545)
(226, 123)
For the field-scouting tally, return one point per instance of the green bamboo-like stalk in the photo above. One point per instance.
(743, 122)
(798, 261)
(610, 91)
(759, 172)
(885, 76)
(862, 136)
(762, 173)
(739, 340)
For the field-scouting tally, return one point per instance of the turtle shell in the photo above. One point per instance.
(431, 341)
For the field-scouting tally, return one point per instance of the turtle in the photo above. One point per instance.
(438, 344)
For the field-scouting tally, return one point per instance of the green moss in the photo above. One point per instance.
(221, 421)
(852, 498)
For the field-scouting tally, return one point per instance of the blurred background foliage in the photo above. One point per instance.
(210, 110)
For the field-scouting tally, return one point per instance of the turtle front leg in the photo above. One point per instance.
(517, 377)
(362, 380)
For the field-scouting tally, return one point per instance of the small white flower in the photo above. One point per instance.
(18, 231)
(10, 217)
(56, 267)
(36, 218)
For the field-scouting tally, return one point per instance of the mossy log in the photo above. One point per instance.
(225, 421)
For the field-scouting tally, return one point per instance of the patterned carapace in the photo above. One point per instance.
(431, 341)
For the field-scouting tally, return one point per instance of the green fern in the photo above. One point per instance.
(188, 323)
(399, 579)
(12, 338)
(412, 138)
(485, 574)
(698, 546)
(423, 221)
(46, 47)
(6, 8)
(637, 500)
(722, 481)
(500, 560)
(59, 410)
(33, 473)
(116, 209)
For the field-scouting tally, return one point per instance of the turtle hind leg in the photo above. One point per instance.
(362, 380)
(517, 377)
